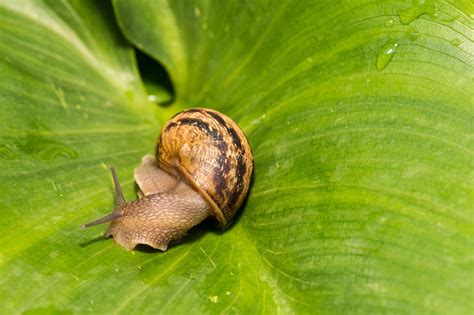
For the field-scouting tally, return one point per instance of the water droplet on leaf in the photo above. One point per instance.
(390, 22)
(152, 98)
(386, 56)
(417, 9)
(456, 42)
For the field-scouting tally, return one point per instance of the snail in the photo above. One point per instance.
(202, 168)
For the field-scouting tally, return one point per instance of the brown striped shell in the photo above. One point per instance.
(212, 153)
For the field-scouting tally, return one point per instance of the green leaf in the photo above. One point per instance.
(359, 114)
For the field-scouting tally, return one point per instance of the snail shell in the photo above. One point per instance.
(212, 153)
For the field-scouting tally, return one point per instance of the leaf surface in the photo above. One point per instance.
(359, 114)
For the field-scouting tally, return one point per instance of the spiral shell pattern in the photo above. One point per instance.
(211, 152)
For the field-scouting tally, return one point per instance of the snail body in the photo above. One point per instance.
(203, 168)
